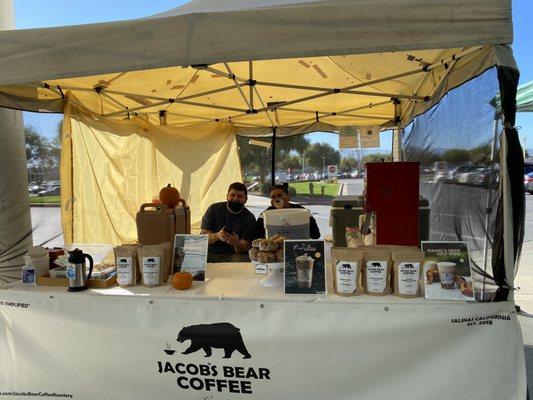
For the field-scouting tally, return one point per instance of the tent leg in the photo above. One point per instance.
(489, 201)
(273, 170)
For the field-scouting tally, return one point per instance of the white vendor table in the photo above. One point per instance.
(122, 343)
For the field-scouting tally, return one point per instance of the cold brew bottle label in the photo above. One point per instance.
(150, 270)
(124, 271)
(408, 277)
(346, 276)
(376, 276)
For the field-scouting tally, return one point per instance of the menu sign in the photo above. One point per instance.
(305, 271)
(190, 254)
(447, 273)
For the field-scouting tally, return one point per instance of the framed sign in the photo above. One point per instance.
(190, 254)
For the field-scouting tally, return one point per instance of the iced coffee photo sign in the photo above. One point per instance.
(190, 254)
(447, 274)
(305, 271)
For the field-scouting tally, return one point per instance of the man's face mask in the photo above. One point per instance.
(235, 206)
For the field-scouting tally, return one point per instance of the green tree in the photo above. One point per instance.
(292, 162)
(481, 154)
(348, 164)
(377, 157)
(258, 160)
(456, 156)
(320, 154)
(42, 154)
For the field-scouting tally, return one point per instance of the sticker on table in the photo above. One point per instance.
(305, 271)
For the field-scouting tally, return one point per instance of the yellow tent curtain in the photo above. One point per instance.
(109, 168)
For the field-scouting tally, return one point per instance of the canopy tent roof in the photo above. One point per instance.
(298, 65)
(524, 97)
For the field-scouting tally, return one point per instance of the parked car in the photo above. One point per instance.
(54, 191)
(461, 173)
(481, 177)
(528, 182)
(443, 175)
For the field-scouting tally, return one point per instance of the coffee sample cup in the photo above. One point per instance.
(304, 271)
(446, 274)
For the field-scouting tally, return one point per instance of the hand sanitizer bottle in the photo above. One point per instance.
(28, 273)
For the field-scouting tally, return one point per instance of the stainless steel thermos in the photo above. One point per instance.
(77, 279)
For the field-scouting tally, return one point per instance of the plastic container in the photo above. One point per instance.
(345, 212)
(38, 257)
(292, 223)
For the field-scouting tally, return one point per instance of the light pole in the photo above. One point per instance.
(323, 167)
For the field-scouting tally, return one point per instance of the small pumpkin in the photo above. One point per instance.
(182, 280)
(169, 196)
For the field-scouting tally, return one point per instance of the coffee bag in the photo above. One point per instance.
(376, 272)
(407, 273)
(152, 259)
(127, 266)
(347, 263)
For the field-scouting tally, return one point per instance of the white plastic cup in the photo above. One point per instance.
(447, 274)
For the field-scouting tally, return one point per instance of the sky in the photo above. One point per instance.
(39, 13)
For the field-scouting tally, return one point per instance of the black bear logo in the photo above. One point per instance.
(221, 335)
(410, 266)
(150, 260)
(346, 266)
(376, 264)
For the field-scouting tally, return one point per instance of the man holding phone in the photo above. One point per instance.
(230, 227)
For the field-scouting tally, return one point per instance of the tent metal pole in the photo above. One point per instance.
(229, 76)
(273, 171)
(238, 87)
(190, 103)
(489, 199)
(263, 104)
(251, 75)
(176, 99)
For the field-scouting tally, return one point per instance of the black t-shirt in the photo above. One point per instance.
(314, 232)
(218, 216)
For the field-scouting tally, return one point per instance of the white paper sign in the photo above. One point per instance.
(261, 269)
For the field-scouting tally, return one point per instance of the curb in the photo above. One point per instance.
(38, 205)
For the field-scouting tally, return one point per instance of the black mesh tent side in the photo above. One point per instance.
(463, 171)
(508, 83)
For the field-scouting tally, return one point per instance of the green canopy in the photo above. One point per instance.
(524, 97)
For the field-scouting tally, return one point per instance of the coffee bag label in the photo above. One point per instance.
(346, 276)
(151, 270)
(408, 277)
(124, 270)
(376, 276)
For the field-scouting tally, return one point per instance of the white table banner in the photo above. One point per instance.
(83, 346)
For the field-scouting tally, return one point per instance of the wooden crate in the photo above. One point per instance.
(46, 280)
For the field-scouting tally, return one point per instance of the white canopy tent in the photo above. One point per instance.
(260, 67)
(257, 64)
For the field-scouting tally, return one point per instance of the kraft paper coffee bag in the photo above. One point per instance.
(376, 272)
(152, 260)
(127, 265)
(347, 263)
(407, 273)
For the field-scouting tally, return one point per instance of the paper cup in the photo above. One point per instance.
(447, 274)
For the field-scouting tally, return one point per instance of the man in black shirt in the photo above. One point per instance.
(230, 227)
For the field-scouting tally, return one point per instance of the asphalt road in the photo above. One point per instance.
(453, 200)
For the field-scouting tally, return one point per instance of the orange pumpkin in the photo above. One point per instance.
(169, 196)
(182, 280)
